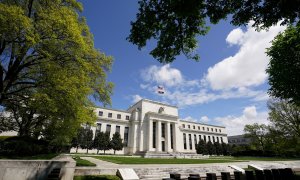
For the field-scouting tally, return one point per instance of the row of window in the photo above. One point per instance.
(118, 129)
(163, 134)
(203, 128)
(110, 115)
(213, 140)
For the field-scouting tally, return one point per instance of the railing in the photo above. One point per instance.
(273, 174)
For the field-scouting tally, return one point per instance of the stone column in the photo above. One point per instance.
(175, 134)
(168, 137)
(150, 130)
(158, 136)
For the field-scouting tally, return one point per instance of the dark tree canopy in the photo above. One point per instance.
(175, 24)
(284, 66)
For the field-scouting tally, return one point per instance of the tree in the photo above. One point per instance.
(284, 66)
(218, 147)
(102, 141)
(202, 147)
(226, 149)
(48, 58)
(87, 139)
(116, 142)
(211, 148)
(257, 133)
(176, 24)
(78, 139)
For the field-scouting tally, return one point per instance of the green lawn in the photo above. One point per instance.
(214, 159)
(40, 156)
(100, 177)
(82, 162)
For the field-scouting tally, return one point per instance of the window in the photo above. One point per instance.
(189, 126)
(118, 129)
(203, 128)
(183, 125)
(108, 127)
(204, 138)
(207, 129)
(219, 130)
(154, 135)
(212, 130)
(98, 128)
(118, 116)
(217, 139)
(163, 134)
(221, 139)
(213, 138)
(194, 127)
(100, 113)
(190, 139)
(199, 137)
(127, 117)
(184, 140)
(126, 133)
(195, 139)
(109, 115)
(208, 138)
(216, 130)
(198, 127)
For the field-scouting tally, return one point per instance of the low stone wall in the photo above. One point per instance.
(36, 169)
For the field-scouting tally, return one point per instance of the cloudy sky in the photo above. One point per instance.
(228, 86)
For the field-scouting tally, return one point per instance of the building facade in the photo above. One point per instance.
(239, 140)
(150, 126)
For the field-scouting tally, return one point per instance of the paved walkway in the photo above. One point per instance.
(100, 163)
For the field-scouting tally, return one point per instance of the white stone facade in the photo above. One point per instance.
(150, 126)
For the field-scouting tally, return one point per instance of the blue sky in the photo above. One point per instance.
(228, 86)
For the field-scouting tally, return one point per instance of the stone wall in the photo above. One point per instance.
(36, 169)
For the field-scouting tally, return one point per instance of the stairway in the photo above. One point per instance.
(54, 174)
(150, 154)
(164, 172)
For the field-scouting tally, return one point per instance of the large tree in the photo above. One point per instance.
(175, 24)
(257, 133)
(102, 141)
(48, 59)
(116, 142)
(284, 66)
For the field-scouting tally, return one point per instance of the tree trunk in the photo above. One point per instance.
(114, 151)
(76, 149)
(97, 151)
(87, 150)
(104, 151)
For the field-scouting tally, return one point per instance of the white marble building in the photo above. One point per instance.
(150, 126)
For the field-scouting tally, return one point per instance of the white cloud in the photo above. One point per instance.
(189, 118)
(204, 119)
(235, 124)
(164, 75)
(136, 98)
(247, 67)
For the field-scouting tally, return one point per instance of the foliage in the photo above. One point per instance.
(211, 148)
(49, 65)
(116, 142)
(202, 147)
(284, 66)
(102, 141)
(226, 149)
(176, 24)
(218, 147)
(257, 133)
(86, 139)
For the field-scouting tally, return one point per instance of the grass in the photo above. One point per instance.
(35, 157)
(82, 162)
(213, 159)
(100, 177)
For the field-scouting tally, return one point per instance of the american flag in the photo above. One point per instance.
(160, 90)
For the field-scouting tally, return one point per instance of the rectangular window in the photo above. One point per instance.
(216, 130)
(189, 126)
(217, 139)
(109, 115)
(171, 133)
(212, 130)
(221, 139)
(219, 130)
(100, 113)
(195, 140)
(209, 138)
(98, 128)
(127, 117)
(184, 140)
(203, 128)
(183, 125)
(126, 134)
(194, 127)
(118, 116)
(213, 138)
(199, 137)
(118, 129)
(108, 127)
(198, 127)
(191, 143)
(163, 130)
(204, 138)
(207, 129)
(154, 135)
